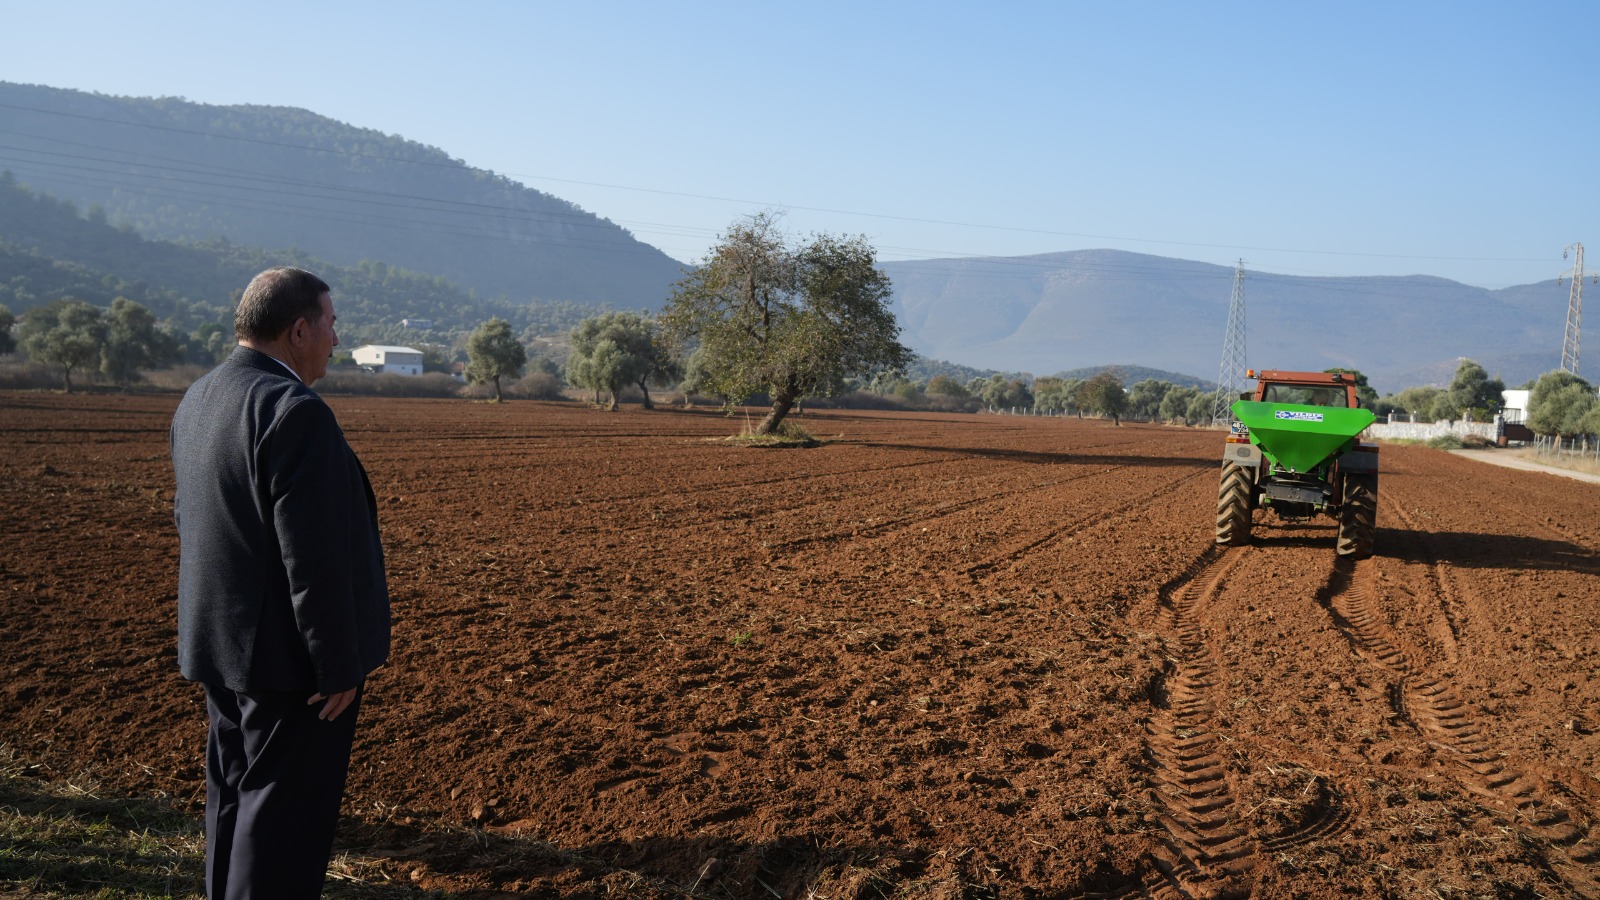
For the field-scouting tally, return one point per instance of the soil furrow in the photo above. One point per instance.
(1431, 704)
(1209, 855)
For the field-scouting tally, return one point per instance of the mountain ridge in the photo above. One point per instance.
(283, 177)
(1078, 308)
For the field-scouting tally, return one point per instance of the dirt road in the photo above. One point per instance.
(945, 655)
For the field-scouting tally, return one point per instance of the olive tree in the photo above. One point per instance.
(695, 378)
(1000, 392)
(946, 386)
(1200, 409)
(1050, 394)
(493, 353)
(1365, 394)
(133, 342)
(1559, 404)
(7, 342)
(1176, 404)
(1472, 394)
(790, 322)
(1144, 398)
(1104, 395)
(65, 333)
(1417, 401)
(616, 349)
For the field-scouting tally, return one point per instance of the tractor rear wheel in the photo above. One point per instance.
(1358, 515)
(1233, 504)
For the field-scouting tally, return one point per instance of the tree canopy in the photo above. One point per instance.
(1144, 398)
(616, 349)
(64, 333)
(787, 321)
(1104, 394)
(75, 335)
(493, 353)
(1472, 394)
(133, 342)
(7, 342)
(999, 392)
(1365, 393)
(1563, 404)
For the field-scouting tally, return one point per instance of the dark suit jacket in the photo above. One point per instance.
(280, 573)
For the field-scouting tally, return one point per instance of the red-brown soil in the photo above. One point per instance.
(939, 655)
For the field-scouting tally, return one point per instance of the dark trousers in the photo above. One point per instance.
(274, 778)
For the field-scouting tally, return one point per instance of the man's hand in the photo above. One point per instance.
(336, 704)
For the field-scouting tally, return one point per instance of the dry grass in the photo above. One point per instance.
(63, 840)
(1588, 465)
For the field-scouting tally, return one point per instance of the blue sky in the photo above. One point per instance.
(1452, 139)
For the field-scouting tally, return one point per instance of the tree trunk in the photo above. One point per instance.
(782, 402)
(497, 389)
(612, 406)
(644, 388)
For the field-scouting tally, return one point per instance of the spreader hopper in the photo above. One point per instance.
(1298, 437)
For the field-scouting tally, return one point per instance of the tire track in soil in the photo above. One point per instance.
(1431, 705)
(1207, 853)
(916, 516)
(1443, 586)
(1079, 525)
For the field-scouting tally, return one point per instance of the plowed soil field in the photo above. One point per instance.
(945, 656)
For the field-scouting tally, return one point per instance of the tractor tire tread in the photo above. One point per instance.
(1358, 516)
(1233, 505)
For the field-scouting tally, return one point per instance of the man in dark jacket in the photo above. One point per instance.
(283, 609)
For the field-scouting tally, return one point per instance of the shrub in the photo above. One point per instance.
(176, 378)
(1446, 442)
(537, 386)
(429, 384)
(24, 375)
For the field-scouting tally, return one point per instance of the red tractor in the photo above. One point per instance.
(1296, 449)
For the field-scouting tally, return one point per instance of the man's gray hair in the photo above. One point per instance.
(274, 300)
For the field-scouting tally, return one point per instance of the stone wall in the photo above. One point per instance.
(1418, 431)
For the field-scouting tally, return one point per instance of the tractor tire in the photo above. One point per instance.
(1234, 505)
(1358, 515)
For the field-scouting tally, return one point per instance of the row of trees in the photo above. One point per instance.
(75, 336)
(1559, 403)
(1472, 395)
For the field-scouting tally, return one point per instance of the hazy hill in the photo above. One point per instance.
(277, 177)
(225, 178)
(1084, 308)
(1132, 375)
(48, 251)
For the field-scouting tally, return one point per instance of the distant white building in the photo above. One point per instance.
(1515, 403)
(417, 323)
(379, 359)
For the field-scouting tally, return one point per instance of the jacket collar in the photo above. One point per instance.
(255, 359)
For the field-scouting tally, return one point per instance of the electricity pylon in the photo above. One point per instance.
(1233, 362)
(1569, 338)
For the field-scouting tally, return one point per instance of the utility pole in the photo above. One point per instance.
(1569, 338)
(1233, 360)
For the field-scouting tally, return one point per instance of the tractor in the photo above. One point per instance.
(1295, 449)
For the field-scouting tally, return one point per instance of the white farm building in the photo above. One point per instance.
(379, 359)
